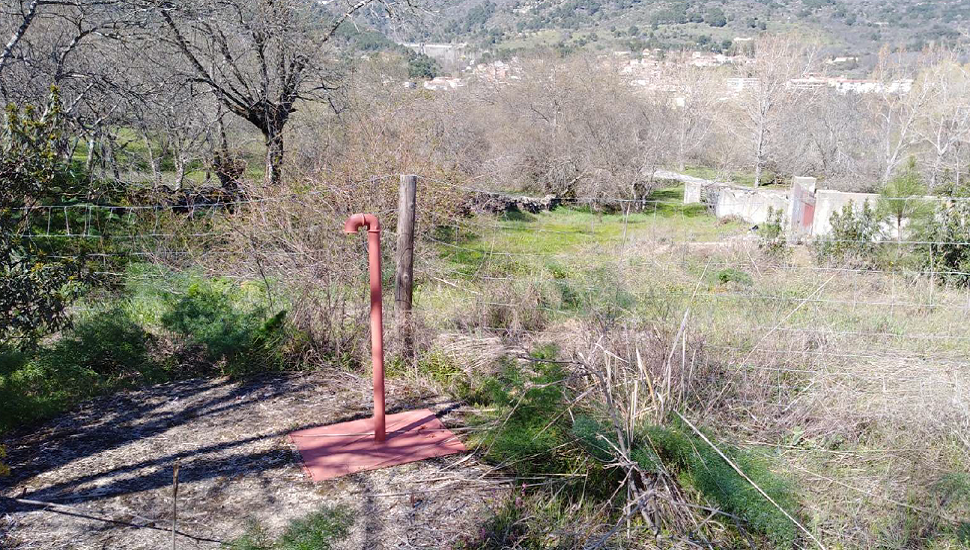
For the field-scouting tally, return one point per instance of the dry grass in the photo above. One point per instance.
(856, 380)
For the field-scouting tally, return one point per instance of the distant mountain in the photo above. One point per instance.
(857, 28)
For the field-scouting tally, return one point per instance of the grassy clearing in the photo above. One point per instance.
(821, 383)
(558, 258)
(134, 155)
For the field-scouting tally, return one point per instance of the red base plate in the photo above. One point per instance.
(349, 447)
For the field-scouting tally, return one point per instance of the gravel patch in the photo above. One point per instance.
(109, 466)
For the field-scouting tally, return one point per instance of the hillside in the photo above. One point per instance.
(855, 27)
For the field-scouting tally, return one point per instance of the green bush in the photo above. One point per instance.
(854, 239)
(946, 232)
(596, 439)
(104, 352)
(37, 282)
(527, 407)
(902, 199)
(772, 240)
(732, 275)
(243, 338)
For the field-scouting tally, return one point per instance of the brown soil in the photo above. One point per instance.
(110, 464)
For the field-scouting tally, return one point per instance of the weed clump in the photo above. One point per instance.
(317, 531)
(527, 413)
(732, 275)
(698, 466)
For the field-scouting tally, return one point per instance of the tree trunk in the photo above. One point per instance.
(180, 166)
(274, 157)
(153, 161)
(89, 162)
(759, 154)
(273, 120)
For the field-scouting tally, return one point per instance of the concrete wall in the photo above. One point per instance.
(814, 211)
(750, 205)
(827, 202)
(692, 192)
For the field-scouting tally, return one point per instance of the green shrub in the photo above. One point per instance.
(110, 344)
(902, 199)
(854, 239)
(527, 407)
(598, 441)
(213, 315)
(946, 232)
(104, 352)
(37, 282)
(771, 234)
(732, 275)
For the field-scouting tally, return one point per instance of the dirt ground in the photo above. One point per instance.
(111, 465)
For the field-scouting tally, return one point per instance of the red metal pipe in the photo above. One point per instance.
(369, 221)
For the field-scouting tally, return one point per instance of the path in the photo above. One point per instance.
(111, 462)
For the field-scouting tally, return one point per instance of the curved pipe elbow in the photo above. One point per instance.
(357, 221)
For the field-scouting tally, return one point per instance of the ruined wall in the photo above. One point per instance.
(751, 205)
(692, 192)
(827, 202)
(807, 211)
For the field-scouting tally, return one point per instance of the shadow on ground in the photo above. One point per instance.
(109, 466)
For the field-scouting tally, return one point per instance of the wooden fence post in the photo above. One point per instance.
(404, 273)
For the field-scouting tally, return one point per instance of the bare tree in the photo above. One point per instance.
(693, 97)
(895, 107)
(943, 124)
(839, 146)
(259, 57)
(85, 48)
(23, 14)
(778, 61)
